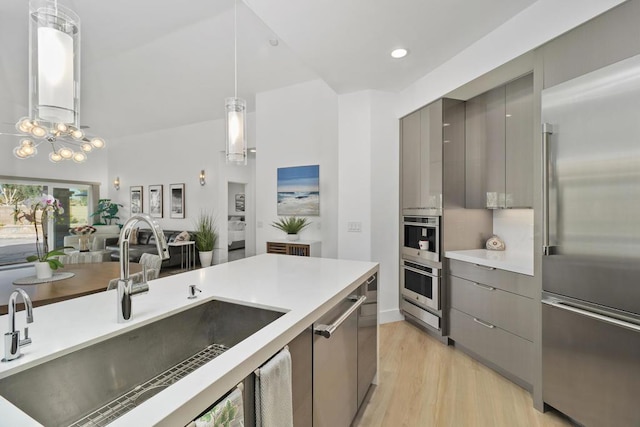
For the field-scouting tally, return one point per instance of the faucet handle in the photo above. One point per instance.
(144, 273)
(26, 340)
(192, 291)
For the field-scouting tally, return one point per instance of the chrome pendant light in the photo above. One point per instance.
(235, 110)
(54, 86)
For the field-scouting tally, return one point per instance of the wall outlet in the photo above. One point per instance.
(354, 226)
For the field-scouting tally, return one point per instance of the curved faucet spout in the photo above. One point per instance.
(12, 341)
(125, 285)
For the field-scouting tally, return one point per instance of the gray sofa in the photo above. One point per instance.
(147, 244)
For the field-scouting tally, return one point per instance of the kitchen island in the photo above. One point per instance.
(303, 288)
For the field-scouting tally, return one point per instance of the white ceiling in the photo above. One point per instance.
(154, 64)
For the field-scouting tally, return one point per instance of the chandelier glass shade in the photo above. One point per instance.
(235, 110)
(54, 86)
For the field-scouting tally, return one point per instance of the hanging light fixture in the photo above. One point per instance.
(235, 110)
(54, 86)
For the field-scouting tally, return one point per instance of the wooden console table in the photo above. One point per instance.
(89, 279)
(299, 247)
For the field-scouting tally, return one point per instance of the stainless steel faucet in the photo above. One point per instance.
(126, 288)
(12, 341)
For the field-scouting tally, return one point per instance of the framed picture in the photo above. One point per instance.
(299, 191)
(240, 202)
(177, 200)
(155, 201)
(136, 199)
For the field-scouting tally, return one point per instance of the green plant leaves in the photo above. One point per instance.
(291, 225)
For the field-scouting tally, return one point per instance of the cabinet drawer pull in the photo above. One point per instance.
(485, 324)
(484, 267)
(371, 279)
(327, 330)
(485, 287)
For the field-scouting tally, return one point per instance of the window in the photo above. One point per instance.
(18, 237)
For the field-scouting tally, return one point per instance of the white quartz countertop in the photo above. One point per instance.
(517, 262)
(303, 287)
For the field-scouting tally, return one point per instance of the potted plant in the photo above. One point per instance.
(292, 226)
(44, 260)
(107, 211)
(205, 237)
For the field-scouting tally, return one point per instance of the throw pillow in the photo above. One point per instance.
(183, 237)
(133, 238)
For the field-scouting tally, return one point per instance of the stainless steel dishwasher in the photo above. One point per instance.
(344, 357)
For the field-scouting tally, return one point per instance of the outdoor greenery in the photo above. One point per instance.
(205, 234)
(107, 211)
(291, 225)
(14, 194)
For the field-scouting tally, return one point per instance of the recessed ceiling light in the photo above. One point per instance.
(399, 53)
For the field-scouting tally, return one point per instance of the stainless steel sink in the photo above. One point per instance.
(130, 368)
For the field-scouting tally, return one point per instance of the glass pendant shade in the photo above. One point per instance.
(54, 65)
(236, 131)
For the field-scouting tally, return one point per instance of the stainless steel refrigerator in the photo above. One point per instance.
(591, 238)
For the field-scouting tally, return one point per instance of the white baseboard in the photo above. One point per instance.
(389, 316)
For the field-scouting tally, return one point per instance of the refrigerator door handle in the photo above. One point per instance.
(553, 302)
(547, 131)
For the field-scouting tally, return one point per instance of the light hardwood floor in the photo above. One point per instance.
(425, 383)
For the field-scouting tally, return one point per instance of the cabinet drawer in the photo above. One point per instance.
(505, 350)
(520, 284)
(511, 312)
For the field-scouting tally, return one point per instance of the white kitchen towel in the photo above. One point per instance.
(274, 406)
(228, 412)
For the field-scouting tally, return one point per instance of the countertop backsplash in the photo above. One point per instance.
(515, 228)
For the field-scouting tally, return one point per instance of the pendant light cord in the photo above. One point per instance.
(235, 47)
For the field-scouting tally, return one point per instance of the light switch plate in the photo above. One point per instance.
(354, 226)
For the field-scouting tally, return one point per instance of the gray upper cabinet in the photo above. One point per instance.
(498, 137)
(411, 160)
(422, 158)
(519, 143)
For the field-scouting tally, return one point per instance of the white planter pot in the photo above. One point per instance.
(43, 270)
(293, 237)
(205, 258)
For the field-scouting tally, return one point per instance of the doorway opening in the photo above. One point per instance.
(236, 221)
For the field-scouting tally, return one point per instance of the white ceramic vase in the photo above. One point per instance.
(43, 270)
(205, 258)
(293, 237)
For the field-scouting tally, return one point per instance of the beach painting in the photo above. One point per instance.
(299, 191)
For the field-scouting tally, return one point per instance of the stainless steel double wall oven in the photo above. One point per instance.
(421, 269)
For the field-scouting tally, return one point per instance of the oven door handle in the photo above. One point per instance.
(424, 273)
(421, 224)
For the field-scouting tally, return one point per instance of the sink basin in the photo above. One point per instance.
(135, 364)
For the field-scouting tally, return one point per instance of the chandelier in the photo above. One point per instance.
(54, 86)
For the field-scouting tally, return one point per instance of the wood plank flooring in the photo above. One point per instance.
(425, 383)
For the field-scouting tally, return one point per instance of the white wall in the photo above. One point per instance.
(174, 156)
(354, 175)
(369, 182)
(542, 21)
(515, 228)
(296, 126)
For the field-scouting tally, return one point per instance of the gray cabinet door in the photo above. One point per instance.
(485, 150)
(519, 143)
(495, 146)
(475, 153)
(410, 154)
(335, 371)
(499, 147)
(301, 349)
(431, 155)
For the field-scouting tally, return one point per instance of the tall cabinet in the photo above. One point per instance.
(499, 147)
(422, 158)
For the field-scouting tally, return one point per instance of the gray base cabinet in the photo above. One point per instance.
(491, 318)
